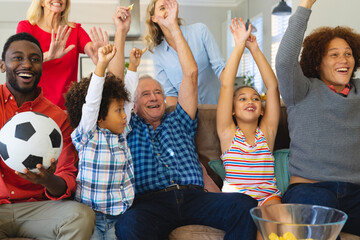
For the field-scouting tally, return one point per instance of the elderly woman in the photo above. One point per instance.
(323, 104)
(61, 42)
(168, 71)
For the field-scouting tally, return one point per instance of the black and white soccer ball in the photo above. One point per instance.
(30, 138)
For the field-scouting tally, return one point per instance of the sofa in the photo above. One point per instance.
(208, 148)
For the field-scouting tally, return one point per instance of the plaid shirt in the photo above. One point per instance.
(106, 172)
(167, 155)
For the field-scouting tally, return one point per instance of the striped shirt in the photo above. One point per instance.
(250, 169)
(105, 181)
(167, 155)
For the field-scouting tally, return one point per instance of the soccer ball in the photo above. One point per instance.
(30, 138)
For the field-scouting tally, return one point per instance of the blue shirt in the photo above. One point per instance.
(167, 155)
(207, 56)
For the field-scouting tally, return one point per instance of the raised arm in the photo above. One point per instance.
(122, 21)
(132, 78)
(270, 120)
(225, 126)
(188, 97)
(293, 84)
(91, 107)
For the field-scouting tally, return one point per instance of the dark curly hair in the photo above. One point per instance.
(75, 97)
(316, 44)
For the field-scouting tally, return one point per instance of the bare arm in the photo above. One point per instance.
(270, 120)
(225, 126)
(188, 97)
(122, 21)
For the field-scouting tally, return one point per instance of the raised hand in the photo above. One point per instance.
(58, 44)
(122, 19)
(135, 57)
(307, 3)
(171, 18)
(239, 31)
(98, 39)
(106, 53)
(251, 43)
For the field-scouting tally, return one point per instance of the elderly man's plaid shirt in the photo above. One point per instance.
(167, 155)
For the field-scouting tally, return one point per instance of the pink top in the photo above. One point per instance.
(58, 73)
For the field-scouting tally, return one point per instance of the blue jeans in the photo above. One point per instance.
(104, 227)
(155, 215)
(339, 195)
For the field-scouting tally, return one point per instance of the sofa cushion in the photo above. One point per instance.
(196, 232)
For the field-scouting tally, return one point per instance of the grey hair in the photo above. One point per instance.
(144, 77)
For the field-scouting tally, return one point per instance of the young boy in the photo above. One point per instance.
(106, 173)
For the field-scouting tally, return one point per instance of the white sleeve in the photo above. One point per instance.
(131, 82)
(91, 107)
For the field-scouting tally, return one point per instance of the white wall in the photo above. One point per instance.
(99, 13)
(333, 13)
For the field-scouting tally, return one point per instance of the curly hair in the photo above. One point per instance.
(315, 46)
(153, 35)
(114, 89)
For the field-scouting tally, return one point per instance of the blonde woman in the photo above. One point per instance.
(168, 71)
(62, 42)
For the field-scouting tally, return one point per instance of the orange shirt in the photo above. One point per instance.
(16, 189)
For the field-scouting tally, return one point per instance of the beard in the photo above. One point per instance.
(15, 85)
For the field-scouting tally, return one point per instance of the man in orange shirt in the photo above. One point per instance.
(26, 206)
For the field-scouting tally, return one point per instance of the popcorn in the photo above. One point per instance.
(131, 7)
(286, 236)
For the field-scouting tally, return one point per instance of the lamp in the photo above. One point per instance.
(253, 28)
(282, 9)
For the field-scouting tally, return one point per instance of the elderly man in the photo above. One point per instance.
(168, 175)
(25, 198)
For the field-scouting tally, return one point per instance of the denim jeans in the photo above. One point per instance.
(339, 195)
(155, 215)
(104, 227)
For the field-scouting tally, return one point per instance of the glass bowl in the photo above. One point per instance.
(298, 221)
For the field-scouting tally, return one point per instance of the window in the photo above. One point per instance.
(278, 27)
(247, 65)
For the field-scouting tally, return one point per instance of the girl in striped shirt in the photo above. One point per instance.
(247, 145)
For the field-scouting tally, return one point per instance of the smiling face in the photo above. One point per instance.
(337, 64)
(247, 105)
(54, 6)
(159, 10)
(23, 67)
(115, 119)
(150, 102)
